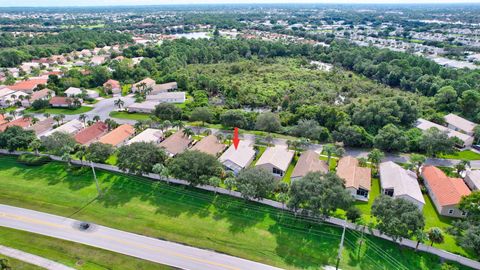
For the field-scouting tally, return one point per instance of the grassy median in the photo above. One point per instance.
(197, 218)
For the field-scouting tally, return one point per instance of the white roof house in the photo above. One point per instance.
(472, 179)
(397, 182)
(276, 160)
(458, 123)
(425, 125)
(168, 97)
(143, 107)
(237, 159)
(148, 135)
(74, 91)
(70, 127)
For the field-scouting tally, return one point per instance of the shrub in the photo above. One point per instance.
(32, 160)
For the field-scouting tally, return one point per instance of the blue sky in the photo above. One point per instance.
(162, 2)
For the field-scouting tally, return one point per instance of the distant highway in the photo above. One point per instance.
(151, 249)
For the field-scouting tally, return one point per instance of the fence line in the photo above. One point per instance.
(336, 221)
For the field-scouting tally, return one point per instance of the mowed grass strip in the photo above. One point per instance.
(197, 218)
(71, 254)
(19, 265)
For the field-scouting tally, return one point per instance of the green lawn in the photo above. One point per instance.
(366, 207)
(463, 155)
(80, 110)
(19, 265)
(112, 160)
(291, 167)
(333, 162)
(260, 150)
(130, 116)
(197, 218)
(68, 253)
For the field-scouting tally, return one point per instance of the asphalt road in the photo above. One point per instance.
(135, 245)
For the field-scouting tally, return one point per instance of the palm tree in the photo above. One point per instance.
(329, 149)
(46, 115)
(187, 132)
(375, 157)
(416, 162)
(76, 102)
(34, 120)
(269, 139)
(220, 136)
(13, 113)
(119, 103)
(96, 118)
(462, 166)
(207, 131)
(35, 145)
(8, 118)
(82, 153)
(362, 162)
(26, 116)
(62, 117)
(421, 237)
(229, 139)
(57, 119)
(435, 235)
(2, 112)
(83, 118)
(178, 124)
(167, 124)
(162, 171)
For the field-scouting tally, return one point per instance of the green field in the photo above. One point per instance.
(197, 218)
(66, 111)
(19, 265)
(463, 155)
(129, 116)
(71, 254)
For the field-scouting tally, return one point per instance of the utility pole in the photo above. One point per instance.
(340, 248)
(96, 180)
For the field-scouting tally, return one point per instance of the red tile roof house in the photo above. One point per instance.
(28, 85)
(92, 133)
(114, 86)
(445, 192)
(60, 102)
(20, 122)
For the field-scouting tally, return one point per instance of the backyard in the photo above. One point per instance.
(197, 218)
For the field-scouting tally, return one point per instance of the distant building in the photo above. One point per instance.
(75, 92)
(164, 87)
(276, 160)
(71, 127)
(397, 182)
(308, 162)
(42, 127)
(28, 86)
(118, 136)
(92, 133)
(43, 94)
(114, 86)
(60, 102)
(147, 83)
(445, 192)
(143, 107)
(168, 97)
(357, 179)
(425, 125)
(19, 122)
(149, 135)
(460, 124)
(472, 179)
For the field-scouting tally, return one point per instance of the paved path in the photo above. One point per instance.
(135, 245)
(32, 259)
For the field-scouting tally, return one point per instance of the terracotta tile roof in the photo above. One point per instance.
(447, 191)
(2, 119)
(118, 135)
(354, 175)
(60, 100)
(20, 122)
(27, 85)
(113, 83)
(176, 143)
(309, 161)
(209, 145)
(91, 133)
(40, 94)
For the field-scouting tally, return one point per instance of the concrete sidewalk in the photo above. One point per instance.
(32, 259)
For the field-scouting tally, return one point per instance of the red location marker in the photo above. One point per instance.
(236, 140)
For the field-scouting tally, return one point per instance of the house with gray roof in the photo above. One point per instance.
(460, 124)
(472, 179)
(276, 160)
(237, 159)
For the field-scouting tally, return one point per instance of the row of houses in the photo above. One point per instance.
(456, 126)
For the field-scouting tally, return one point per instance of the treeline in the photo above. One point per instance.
(15, 50)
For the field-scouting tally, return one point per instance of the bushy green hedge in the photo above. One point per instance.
(32, 160)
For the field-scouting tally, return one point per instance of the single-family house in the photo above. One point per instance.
(357, 179)
(113, 86)
(148, 135)
(43, 94)
(177, 143)
(472, 179)
(75, 92)
(164, 87)
(237, 159)
(92, 133)
(210, 145)
(143, 107)
(12, 98)
(60, 102)
(71, 127)
(98, 60)
(425, 125)
(118, 136)
(145, 83)
(446, 192)
(19, 122)
(309, 161)
(276, 160)
(168, 97)
(397, 182)
(460, 124)
(42, 127)
(29, 85)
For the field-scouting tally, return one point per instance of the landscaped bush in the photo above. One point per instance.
(33, 160)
